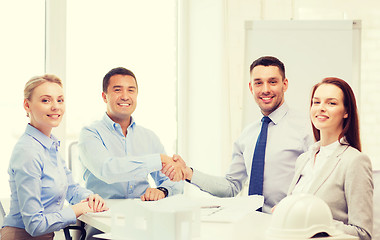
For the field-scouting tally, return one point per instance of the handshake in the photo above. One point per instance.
(175, 168)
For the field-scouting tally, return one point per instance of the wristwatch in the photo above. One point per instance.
(187, 180)
(164, 190)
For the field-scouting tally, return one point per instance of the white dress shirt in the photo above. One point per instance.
(314, 167)
(289, 135)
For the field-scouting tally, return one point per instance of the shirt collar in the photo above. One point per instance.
(279, 113)
(330, 149)
(42, 138)
(112, 125)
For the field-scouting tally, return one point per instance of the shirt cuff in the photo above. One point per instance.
(68, 214)
(187, 180)
(155, 163)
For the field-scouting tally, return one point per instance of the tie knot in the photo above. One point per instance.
(266, 119)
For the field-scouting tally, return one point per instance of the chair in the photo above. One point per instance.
(2, 215)
(376, 206)
(79, 228)
(73, 166)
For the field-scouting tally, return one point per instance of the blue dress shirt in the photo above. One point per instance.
(289, 135)
(117, 166)
(40, 182)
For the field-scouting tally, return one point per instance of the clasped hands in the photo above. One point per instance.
(175, 168)
(93, 203)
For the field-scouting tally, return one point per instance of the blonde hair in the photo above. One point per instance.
(37, 81)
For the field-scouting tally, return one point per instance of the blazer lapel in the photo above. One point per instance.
(328, 169)
(298, 172)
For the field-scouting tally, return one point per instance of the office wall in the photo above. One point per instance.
(211, 111)
(367, 11)
(310, 50)
(220, 114)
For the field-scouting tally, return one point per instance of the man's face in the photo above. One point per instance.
(267, 87)
(121, 97)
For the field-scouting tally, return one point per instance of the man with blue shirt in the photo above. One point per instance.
(117, 153)
(288, 136)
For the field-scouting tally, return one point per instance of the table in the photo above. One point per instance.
(252, 226)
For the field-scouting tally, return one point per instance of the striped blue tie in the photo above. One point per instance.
(257, 171)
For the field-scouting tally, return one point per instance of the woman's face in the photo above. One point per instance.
(327, 110)
(46, 107)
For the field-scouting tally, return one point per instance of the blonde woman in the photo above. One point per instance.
(39, 179)
(335, 169)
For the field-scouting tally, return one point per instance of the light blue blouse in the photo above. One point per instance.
(117, 166)
(40, 182)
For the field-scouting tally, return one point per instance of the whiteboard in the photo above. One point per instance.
(310, 51)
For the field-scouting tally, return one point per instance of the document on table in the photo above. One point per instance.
(106, 214)
(229, 209)
(212, 209)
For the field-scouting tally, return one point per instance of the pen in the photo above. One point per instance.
(213, 206)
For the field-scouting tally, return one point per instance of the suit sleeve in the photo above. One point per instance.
(359, 196)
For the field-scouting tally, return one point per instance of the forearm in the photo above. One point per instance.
(217, 186)
(352, 230)
(75, 193)
(110, 167)
(121, 169)
(39, 224)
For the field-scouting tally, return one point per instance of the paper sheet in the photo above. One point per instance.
(229, 209)
(213, 209)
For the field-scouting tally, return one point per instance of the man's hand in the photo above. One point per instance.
(186, 171)
(152, 194)
(171, 168)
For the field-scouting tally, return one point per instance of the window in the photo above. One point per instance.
(138, 35)
(22, 48)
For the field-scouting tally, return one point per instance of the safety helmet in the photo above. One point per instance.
(301, 216)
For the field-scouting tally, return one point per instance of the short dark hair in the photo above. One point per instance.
(269, 61)
(351, 123)
(116, 71)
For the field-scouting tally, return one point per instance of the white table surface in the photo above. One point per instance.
(253, 226)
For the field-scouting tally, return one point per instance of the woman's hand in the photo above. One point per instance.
(93, 203)
(81, 208)
(96, 203)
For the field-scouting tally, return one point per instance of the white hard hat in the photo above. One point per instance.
(301, 216)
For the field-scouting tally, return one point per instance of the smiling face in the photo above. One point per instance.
(327, 111)
(121, 98)
(45, 107)
(268, 87)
